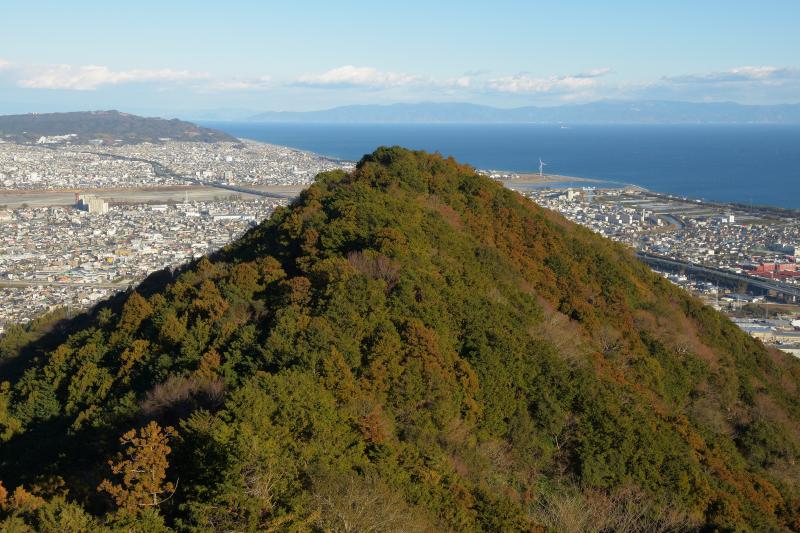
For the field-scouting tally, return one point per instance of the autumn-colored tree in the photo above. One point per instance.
(173, 329)
(269, 269)
(135, 310)
(131, 356)
(209, 365)
(209, 301)
(246, 277)
(19, 500)
(25, 501)
(298, 290)
(143, 468)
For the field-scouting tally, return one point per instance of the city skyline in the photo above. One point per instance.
(263, 56)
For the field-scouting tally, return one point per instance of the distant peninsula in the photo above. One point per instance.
(603, 112)
(102, 127)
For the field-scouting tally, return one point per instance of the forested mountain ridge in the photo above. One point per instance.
(408, 347)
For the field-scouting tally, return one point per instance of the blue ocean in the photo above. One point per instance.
(758, 164)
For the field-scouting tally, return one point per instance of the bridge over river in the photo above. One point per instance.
(161, 170)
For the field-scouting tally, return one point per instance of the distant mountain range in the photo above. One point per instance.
(108, 126)
(605, 112)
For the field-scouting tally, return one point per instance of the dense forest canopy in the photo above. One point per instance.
(407, 347)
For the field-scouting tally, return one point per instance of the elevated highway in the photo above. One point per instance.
(726, 277)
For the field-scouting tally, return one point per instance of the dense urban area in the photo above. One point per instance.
(79, 222)
(51, 165)
(743, 260)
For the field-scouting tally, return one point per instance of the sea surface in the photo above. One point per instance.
(752, 164)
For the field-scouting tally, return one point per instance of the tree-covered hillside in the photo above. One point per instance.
(109, 126)
(409, 347)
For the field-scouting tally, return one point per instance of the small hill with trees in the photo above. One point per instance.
(108, 126)
(407, 347)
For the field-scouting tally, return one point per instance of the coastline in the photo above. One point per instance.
(519, 178)
(534, 180)
(685, 161)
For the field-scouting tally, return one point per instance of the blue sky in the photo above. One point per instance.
(178, 56)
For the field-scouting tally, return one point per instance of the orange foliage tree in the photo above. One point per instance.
(143, 468)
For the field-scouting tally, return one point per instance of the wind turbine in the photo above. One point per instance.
(542, 164)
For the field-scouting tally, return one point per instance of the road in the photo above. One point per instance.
(39, 283)
(247, 190)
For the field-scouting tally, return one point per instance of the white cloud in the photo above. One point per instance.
(745, 83)
(765, 72)
(352, 76)
(462, 82)
(239, 84)
(90, 77)
(572, 86)
(738, 75)
(553, 84)
(594, 73)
